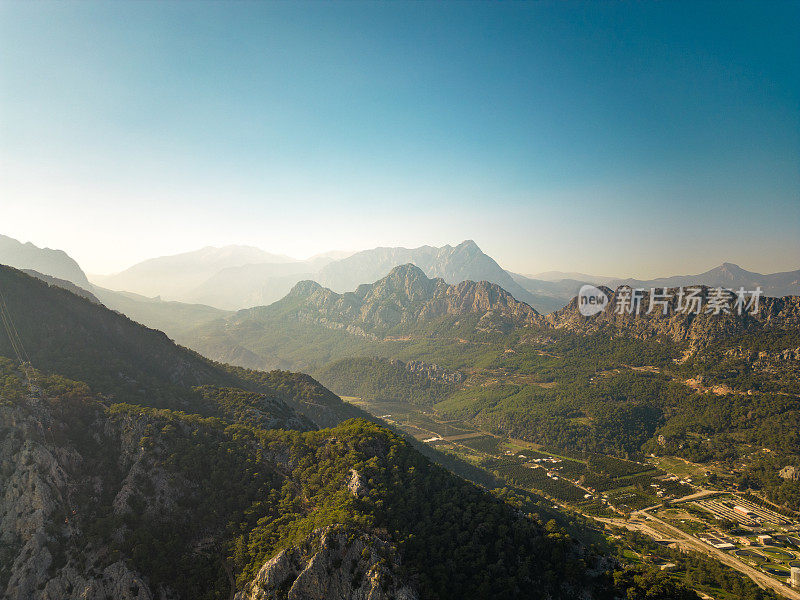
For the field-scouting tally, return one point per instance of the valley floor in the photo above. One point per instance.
(651, 498)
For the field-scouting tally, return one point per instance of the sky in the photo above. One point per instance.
(622, 139)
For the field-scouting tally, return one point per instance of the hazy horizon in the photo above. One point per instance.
(637, 140)
(278, 253)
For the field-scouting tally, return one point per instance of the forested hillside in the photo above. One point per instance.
(69, 335)
(187, 490)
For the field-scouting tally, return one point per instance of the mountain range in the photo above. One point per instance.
(132, 468)
(235, 277)
(697, 329)
(313, 324)
(175, 276)
(728, 276)
(135, 468)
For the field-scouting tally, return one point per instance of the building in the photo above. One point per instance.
(766, 539)
(795, 577)
(717, 542)
(744, 511)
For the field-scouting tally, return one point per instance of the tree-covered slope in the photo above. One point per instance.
(382, 379)
(132, 501)
(72, 336)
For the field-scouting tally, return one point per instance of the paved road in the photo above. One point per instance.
(759, 577)
(695, 496)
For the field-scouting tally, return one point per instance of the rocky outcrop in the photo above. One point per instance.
(333, 563)
(405, 297)
(39, 527)
(697, 329)
(790, 472)
(356, 485)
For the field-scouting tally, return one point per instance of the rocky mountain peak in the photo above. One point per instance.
(406, 281)
(304, 289)
(404, 297)
(469, 246)
(732, 271)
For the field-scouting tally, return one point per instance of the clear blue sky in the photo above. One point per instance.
(613, 138)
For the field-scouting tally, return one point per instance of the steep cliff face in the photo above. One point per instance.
(333, 563)
(699, 330)
(43, 555)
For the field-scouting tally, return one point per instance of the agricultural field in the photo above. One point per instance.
(536, 478)
(489, 444)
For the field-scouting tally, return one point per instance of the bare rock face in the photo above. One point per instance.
(698, 329)
(333, 563)
(405, 297)
(356, 485)
(37, 523)
(790, 472)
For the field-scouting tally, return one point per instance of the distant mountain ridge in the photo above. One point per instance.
(571, 275)
(453, 264)
(729, 276)
(552, 293)
(257, 284)
(47, 261)
(173, 276)
(236, 277)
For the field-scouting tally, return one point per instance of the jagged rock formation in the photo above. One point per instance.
(407, 297)
(38, 521)
(699, 330)
(790, 472)
(333, 563)
(385, 311)
(356, 485)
